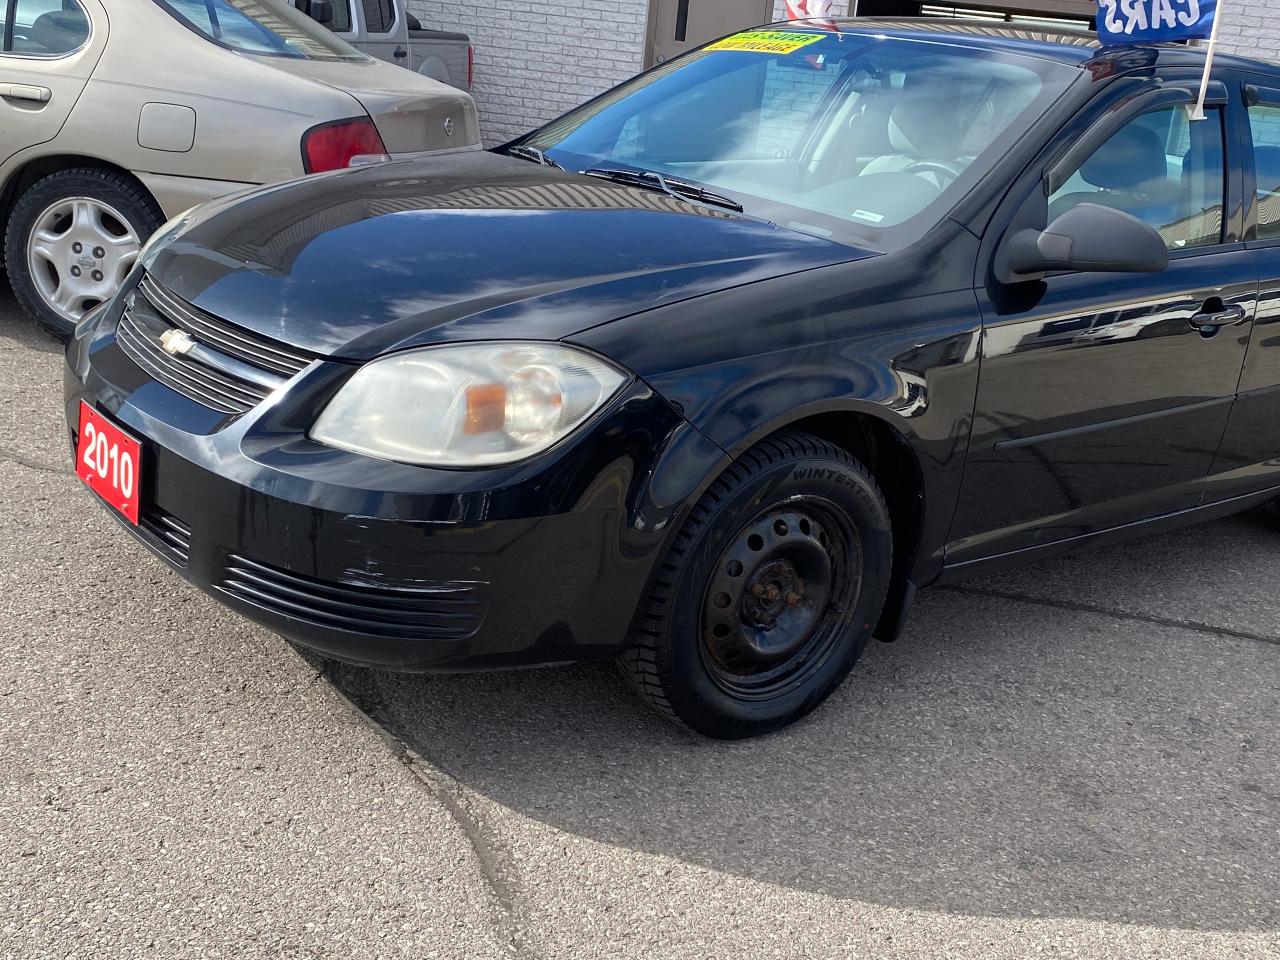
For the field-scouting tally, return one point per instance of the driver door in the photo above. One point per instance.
(1103, 397)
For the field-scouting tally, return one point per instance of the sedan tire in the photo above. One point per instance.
(769, 591)
(71, 239)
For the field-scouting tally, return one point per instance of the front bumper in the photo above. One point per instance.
(391, 565)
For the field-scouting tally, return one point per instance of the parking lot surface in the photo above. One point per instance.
(1077, 759)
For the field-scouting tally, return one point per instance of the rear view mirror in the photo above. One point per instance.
(321, 11)
(1087, 238)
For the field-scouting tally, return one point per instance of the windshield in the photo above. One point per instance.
(270, 27)
(862, 138)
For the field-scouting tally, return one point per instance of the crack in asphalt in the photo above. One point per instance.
(12, 456)
(1077, 607)
(453, 797)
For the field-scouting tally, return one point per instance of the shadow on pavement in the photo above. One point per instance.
(1005, 758)
(19, 330)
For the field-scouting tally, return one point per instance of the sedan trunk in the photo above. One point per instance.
(412, 113)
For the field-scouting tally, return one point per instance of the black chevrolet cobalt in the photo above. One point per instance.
(710, 374)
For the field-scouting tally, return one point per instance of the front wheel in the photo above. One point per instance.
(769, 592)
(71, 239)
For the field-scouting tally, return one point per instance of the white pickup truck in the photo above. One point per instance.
(386, 30)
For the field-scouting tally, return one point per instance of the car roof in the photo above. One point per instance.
(1078, 47)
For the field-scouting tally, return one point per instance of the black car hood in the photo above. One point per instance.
(471, 247)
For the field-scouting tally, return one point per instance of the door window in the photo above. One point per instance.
(1264, 124)
(379, 16)
(341, 22)
(1162, 168)
(45, 28)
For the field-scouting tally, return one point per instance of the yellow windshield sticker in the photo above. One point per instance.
(767, 41)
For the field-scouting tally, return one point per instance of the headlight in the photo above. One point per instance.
(468, 404)
(167, 233)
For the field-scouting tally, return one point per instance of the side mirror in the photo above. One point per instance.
(321, 11)
(1088, 238)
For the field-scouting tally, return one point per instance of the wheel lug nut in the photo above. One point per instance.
(99, 253)
(792, 598)
(75, 271)
(77, 247)
(769, 593)
(97, 276)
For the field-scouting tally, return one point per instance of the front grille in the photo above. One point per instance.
(141, 342)
(233, 341)
(171, 536)
(228, 369)
(442, 611)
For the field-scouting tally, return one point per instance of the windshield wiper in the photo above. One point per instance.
(532, 153)
(680, 189)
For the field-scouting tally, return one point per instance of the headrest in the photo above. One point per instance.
(1134, 155)
(60, 31)
(925, 126)
(873, 124)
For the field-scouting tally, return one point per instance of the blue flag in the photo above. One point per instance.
(1153, 21)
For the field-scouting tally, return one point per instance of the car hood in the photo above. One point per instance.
(471, 247)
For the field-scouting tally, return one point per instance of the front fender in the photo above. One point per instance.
(867, 338)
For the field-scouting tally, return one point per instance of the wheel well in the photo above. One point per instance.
(888, 455)
(41, 167)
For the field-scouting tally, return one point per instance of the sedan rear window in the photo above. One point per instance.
(849, 135)
(264, 27)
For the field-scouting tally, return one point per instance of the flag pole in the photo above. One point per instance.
(1198, 112)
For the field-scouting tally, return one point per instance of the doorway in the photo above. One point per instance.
(679, 25)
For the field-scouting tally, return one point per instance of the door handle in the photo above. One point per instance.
(21, 91)
(1227, 316)
(400, 53)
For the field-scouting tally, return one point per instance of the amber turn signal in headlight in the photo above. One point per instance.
(468, 404)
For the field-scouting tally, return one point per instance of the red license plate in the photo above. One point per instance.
(109, 461)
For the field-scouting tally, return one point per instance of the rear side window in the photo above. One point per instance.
(1163, 169)
(1264, 124)
(379, 16)
(44, 28)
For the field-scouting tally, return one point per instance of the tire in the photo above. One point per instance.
(794, 623)
(94, 210)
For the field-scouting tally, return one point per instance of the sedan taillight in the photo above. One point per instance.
(334, 146)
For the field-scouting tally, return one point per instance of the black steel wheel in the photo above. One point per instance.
(769, 592)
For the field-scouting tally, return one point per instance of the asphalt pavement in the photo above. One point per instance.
(1077, 759)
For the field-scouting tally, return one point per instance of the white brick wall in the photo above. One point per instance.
(1251, 28)
(534, 60)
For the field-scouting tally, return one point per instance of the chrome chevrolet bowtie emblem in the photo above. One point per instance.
(448, 126)
(176, 342)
